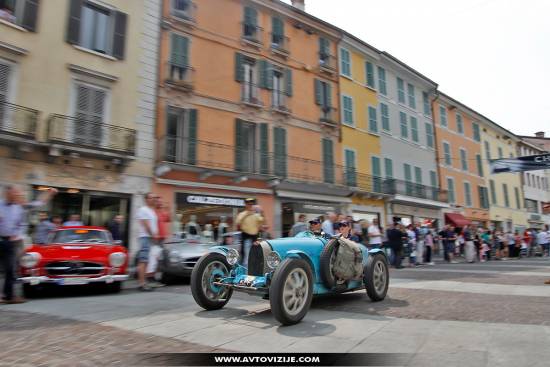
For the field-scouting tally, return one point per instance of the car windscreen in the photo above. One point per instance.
(81, 236)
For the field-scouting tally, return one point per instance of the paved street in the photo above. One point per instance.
(491, 314)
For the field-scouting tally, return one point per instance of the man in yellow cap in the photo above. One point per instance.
(249, 222)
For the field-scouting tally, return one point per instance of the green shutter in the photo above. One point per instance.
(351, 176)
(250, 16)
(418, 175)
(288, 81)
(266, 74)
(329, 95)
(318, 97)
(407, 169)
(376, 167)
(373, 121)
(179, 51)
(239, 67)
(370, 74)
(277, 27)
(324, 46)
(479, 165)
(279, 148)
(328, 161)
(264, 149)
(239, 148)
(388, 163)
(192, 148)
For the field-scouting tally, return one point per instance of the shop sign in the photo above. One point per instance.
(213, 200)
(315, 208)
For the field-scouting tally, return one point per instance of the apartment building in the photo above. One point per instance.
(361, 116)
(77, 102)
(460, 160)
(248, 107)
(408, 143)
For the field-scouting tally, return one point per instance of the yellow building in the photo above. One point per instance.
(77, 102)
(360, 121)
(507, 210)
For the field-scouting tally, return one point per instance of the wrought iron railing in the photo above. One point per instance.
(252, 33)
(181, 75)
(250, 94)
(279, 102)
(279, 43)
(328, 115)
(185, 10)
(87, 133)
(327, 62)
(18, 120)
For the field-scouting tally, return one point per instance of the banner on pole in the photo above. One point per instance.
(520, 164)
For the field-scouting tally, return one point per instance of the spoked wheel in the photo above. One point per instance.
(376, 277)
(291, 291)
(210, 268)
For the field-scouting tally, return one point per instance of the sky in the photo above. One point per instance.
(491, 55)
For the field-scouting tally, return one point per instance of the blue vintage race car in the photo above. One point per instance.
(288, 271)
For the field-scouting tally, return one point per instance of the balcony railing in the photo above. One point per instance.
(328, 115)
(252, 33)
(86, 133)
(279, 102)
(214, 156)
(180, 75)
(18, 120)
(184, 10)
(280, 43)
(250, 94)
(327, 62)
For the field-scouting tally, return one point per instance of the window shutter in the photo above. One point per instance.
(370, 74)
(264, 149)
(239, 67)
(388, 163)
(318, 97)
(30, 15)
(180, 47)
(4, 83)
(479, 165)
(328, 161)
(119, 36)
(279, 148)
(329, 95)
(277, 27)
(192, 148)
(407, 169)
(323, 46)
(288, 81)
(373, 121)
(266, 74)
(73, 27)
(239, 148)
(250, 16)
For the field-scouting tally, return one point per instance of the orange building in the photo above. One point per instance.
(247, 107)
(460, 161)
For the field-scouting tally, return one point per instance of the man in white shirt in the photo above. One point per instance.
(328, 224)
(74, 221)
(375, 235)
(147, 222)
(543, 239)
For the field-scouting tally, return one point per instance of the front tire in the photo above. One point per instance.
(114, 287)
(376, 277)
(30, 291)
(210, 267)
(291, 291)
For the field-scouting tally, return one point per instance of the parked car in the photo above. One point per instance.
(74, 256)
(287, 271)
(180, 256)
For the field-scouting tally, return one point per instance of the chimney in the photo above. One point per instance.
(299, 4)
(539, 134)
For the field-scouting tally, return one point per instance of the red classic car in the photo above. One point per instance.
(75, 256)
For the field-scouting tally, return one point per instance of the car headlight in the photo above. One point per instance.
(116, 259)
(273, 259)
(232, 256)
(174, 256)
(30, 259)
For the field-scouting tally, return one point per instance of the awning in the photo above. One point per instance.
(457, 220)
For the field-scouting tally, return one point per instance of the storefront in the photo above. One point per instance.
(416, 214)
(364, 208)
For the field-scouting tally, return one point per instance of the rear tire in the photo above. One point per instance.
(376, 277)
(210, 267)
(291, 291)
(326, 259)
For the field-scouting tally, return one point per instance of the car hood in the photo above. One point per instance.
(310, 246)
(189, 250)
(80, 251)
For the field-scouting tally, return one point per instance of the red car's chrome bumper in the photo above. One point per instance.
(35, 280)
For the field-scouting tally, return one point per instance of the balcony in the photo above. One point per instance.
(250, 95)
(280, 44)
(252, 34)
(17, 121)
(180, 76)
(327, 63)
(400, 187)
(88, 136)
(279, 102)
(184, 11)
(328, 116)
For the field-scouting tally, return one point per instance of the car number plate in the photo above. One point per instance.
(73, 281)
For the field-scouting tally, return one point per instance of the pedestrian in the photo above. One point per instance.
(469, 246)
(249, 222)
(420, 233)
(299, 226)
(428, 245)
(411, 242)
(163, 222)
(328, 224)
(116, 227)
(147, 223)
(74, 221)
(395, 241)
(43, 228)
(543, 239)
(57, 221)
(375, 234)
(12, 223)
(448, 237)
(511, 243)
